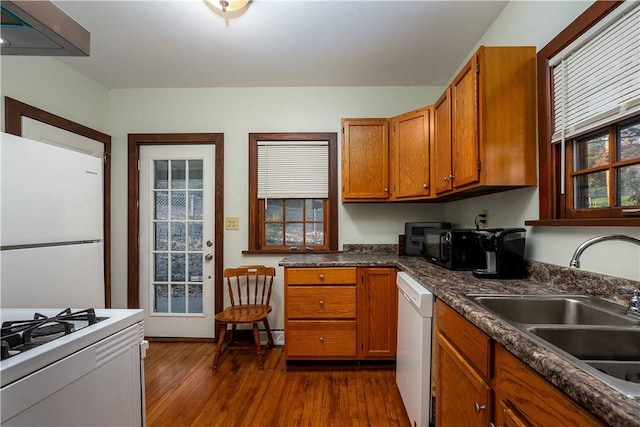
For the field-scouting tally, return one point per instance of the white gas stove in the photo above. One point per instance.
(82, 368)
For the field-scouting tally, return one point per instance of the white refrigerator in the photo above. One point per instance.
(51, 226)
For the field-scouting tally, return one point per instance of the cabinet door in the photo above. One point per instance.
(463, 398)
(464, 114)
(365, 159)
(377, 313)
(410, 139)
(507, 417)
(441, 158)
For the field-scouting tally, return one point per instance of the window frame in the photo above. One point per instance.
(553, 205)
(256, 206)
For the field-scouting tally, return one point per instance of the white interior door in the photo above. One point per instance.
(176, 240)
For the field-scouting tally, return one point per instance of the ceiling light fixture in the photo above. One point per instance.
(228, 5)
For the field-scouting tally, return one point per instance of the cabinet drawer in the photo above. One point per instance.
(320, 339)
(470, 340)
(321, 302)
(320, 276)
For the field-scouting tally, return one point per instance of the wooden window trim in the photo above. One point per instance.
(255, 223)
(551, 203)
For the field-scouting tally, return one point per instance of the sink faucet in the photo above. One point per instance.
(575, 261)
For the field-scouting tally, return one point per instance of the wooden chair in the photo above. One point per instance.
(249, 289)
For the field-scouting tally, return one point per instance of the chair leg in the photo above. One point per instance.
(269, 336)
(219, 347)
(232, 337)
(256, 338)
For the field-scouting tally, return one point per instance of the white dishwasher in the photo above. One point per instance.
(413, 364)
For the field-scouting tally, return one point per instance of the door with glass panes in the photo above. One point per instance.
(176, 240)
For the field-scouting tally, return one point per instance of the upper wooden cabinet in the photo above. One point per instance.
(410, 155)
(365, 160)
(491, 107)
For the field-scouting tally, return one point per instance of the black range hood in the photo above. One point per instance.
(40, 28)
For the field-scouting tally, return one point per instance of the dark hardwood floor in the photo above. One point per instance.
(182, 390)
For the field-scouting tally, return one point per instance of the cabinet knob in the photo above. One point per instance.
(322, 277)
(446, 179)
(452, 177)
(425, 186)
(479, 408)
(321, 339)
(321, 303)
(386, 190)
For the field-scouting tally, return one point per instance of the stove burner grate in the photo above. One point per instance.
(21, 335)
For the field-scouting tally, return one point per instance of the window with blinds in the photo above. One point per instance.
(596, 80)
(293, 192)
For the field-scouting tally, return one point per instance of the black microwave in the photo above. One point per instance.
(455, 249)
(414, 234)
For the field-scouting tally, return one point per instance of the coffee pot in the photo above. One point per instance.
(504, 251)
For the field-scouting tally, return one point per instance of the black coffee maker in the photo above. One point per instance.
(504, 250)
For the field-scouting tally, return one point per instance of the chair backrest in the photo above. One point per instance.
(249, 284)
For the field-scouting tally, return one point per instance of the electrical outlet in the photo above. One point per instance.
(485, 224)
(232, 223)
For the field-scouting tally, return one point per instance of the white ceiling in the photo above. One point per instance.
(185, 43)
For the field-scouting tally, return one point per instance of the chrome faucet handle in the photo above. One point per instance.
(634, 303)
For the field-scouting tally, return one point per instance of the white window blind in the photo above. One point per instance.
(597, 78)
(290, 169)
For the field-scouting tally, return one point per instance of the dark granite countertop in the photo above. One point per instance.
(611, 406)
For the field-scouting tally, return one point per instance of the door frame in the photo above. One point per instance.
(135, 141)
(15, 110)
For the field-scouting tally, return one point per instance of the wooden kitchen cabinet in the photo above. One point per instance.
(340, 313)
(491, 106)
(320, 313)
(377, 313)
(365, 160)
(410, 154)
(462, 353)
(524, 398)
(468, 362)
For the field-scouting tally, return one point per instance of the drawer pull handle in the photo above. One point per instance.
(479, 408)
(322, 277)
(321, 339)
(321, 303)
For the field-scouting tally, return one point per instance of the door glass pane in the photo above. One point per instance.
(195, 267)
(161, 273)
(178, 301)
(161, 174)
(628, 186)
(161, 205)
(161, 236)
(195, 299)
(591, 152)
(178, 267)
(178, 205)
(591, 190)
(178, 236)
(195, 236)
(178, 174)
(195, 205)
(195, 174)
(161, 298)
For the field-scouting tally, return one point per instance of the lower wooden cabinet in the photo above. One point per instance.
(340, 313)
(468, 362)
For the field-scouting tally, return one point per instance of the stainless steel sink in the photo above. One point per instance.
(594, 344)
(556, 309)
(595, 335)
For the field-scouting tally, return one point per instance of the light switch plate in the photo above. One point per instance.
(232, 223)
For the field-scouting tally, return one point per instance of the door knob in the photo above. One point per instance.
(209, 243)
(208, 257)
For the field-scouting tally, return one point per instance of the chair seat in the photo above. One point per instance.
(243, 314)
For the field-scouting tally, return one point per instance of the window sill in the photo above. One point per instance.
(285, 252)
(592, 222)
